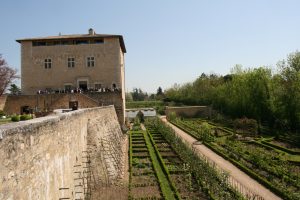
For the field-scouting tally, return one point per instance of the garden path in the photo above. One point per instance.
(236, 175)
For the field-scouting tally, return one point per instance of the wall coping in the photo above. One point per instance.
(29, 125)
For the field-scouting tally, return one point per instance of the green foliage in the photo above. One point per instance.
(281, 148)
(160, 110)
(159, 94)
(25, 117)
(246, 126)
(15, 118)
(171, 116)
(258, 159)
(164, 168)
(14, 89)
(206, 132)
(140, 116)
(212, 181)
(165, 184)
(138, 94)
(203, 132)
(254, 93)
(144, 104)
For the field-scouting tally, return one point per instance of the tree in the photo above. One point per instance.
(159, 94)
(289, 96)
(140, 116)
(7, 75)
(14, 89)
(159, 91)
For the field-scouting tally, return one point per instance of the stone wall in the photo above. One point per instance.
(190, 111)
(61, 101)
(113, 98)
(64, 156)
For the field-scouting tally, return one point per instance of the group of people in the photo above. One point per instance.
(79, 90)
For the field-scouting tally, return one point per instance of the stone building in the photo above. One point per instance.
(67, 62)
(90, 65)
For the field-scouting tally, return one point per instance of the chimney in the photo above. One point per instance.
(91, 31)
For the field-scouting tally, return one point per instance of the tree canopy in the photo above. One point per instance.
(7, 75)
(255, 93)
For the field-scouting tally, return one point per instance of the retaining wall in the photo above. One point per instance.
(64, 156)
(190, 111)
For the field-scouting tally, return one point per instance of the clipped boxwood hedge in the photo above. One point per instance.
(164, 168)
(251, 173)
(248, 171)
(281, 148)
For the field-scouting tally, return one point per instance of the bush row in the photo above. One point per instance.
(17, 118)
(281, 148)
(251, 173)
(213, 182)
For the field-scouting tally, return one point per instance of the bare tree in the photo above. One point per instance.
(7, 75)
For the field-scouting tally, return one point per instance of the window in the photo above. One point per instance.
(99, 41)
(38, 43)
(71, 62)
(90, 61)
(81, 42)
(48, 63)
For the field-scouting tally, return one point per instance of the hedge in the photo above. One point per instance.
(281, 148)
(251, 173)
(164, 168)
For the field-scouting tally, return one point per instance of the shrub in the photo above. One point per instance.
(15, 118)
(246, 126)
(171, 116)
(25, 117)
(160, 110)
(140, 116)
(205, 132)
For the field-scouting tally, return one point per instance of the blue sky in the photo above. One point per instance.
(168, 41)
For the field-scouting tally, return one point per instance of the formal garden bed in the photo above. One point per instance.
(271, 162)
(144, 183)
(192, 177)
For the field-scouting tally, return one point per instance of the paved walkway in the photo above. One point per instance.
(236, 175)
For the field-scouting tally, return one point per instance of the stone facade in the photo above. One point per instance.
(64, 156)
(63, 63)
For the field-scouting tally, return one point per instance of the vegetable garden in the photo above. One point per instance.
(274, 164)
(163, 167)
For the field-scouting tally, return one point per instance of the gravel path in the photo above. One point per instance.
(237, 177)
